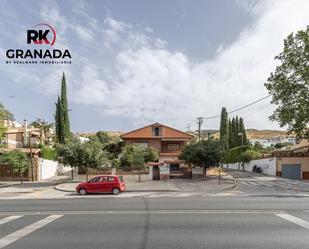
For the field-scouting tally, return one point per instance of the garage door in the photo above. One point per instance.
(291, 171)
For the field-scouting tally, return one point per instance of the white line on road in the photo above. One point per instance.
(253, 183)
(295, 220)
(10, 238)
(158, 211)
(10, 218)
(244, 183)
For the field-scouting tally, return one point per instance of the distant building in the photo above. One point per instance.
(19, 136)
(272, 141)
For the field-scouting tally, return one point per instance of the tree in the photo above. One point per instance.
(231, 135)
(93, 156)
(65, 109)
(204, 153)
(103, 137)
(82, 155)
(2, 133)
(132, 150)
(18, 160)
(58, 121)
(5, 114)
(62, 121)
(242, 130)
(247, 156)
(289, 84)
(135, 157)
(224, 130)
(44, 127)
(150, 155)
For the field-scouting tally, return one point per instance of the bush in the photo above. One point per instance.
(232, 155)
(49, 153)
(249, 155)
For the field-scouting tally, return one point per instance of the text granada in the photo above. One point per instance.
(37, 54)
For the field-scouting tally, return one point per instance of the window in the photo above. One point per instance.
(110, 178)
(96, 179)
(173, 147)
(156, 131)
(142, 144)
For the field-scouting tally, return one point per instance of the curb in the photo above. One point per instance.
(232, 187)
(9, 185)
(63, 190)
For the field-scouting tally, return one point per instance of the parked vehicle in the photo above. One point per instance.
(102, 184)
(257, 169)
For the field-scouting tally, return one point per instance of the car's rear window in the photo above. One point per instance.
(121, 178)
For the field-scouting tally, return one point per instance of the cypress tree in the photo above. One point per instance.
(57, 119)
(65, 109)
(224, 130)
(243, 130)
(231, 133)
(62, 121)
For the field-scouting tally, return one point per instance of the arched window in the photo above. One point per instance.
(156, 131)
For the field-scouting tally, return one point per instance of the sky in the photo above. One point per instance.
(138, 62)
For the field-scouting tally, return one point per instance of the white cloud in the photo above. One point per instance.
(134, 74)
(151, 83)
(84, 34)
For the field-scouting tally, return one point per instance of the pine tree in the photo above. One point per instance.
(224, 130)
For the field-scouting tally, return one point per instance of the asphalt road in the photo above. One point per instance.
(210, 222)
(261, 212)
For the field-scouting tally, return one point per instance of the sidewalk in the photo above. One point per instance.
(211, 185)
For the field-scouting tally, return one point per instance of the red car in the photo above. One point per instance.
(102, 184)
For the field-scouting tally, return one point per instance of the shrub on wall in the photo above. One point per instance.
(49, 153)
(249, 155)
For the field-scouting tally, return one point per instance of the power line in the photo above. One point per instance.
(240, 108)
(258, 110)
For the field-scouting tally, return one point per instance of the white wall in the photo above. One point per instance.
(49, 168)
(267, 164)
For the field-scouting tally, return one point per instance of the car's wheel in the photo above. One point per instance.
(116, 191)
(82, 191)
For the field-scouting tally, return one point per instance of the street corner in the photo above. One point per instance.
(66, 187)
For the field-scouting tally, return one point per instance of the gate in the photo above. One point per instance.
(155, 173)
(291, 171)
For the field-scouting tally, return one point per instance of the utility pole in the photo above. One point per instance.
(199, 123)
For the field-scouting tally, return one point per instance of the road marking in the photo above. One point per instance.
(10, 218)
(244, 183)
(158, 211)
(267, 184)
(10, 238)
(253, 183)
(295, 220)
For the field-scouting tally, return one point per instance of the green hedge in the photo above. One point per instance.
(49, 153)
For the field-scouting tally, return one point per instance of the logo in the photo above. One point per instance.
(44, 34)
(41, 34)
